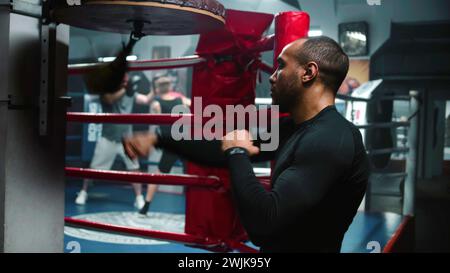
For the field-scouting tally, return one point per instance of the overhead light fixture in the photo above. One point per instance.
(263, 101)
(132, 58)
(110, 59)
(357, 35)
(263, 171)
(354, 38)
(315, 33)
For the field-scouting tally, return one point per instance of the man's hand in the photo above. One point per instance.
(140, 144)
(239, 138)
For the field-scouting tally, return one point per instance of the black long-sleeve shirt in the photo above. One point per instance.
(318, 181)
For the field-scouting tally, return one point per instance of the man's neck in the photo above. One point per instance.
(314, 101)
(169, 95)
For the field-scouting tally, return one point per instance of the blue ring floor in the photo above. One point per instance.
(367, 229)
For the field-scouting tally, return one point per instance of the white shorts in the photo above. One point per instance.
(105, 153)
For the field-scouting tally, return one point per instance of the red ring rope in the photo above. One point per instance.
(145, 178)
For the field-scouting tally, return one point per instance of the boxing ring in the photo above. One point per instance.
(208, 192)
(211, 221)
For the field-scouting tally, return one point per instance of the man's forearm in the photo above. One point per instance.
(205, 152)
(249, 194)
(111, 98)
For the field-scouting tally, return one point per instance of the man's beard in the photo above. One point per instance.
(286, 96)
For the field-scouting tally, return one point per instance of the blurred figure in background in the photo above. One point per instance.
(165, 100)
(348, 86)
(110, 144)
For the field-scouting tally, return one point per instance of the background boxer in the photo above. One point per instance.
(109, 145)
(164, 101)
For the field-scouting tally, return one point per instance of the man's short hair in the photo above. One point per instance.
(163, 80)
(332, 61)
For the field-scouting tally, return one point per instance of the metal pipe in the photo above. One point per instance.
(350, 98)
(411, 160)
(383, 125)
(387, 151)
(389, 175)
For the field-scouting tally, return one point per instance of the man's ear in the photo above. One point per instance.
(310, 73)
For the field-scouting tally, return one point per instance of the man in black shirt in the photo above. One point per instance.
(321, 166)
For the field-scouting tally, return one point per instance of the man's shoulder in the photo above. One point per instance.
(330, 135)
(332, 124)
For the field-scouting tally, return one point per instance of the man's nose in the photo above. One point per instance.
(272, 78)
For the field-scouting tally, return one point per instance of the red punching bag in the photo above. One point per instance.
(289, 26)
